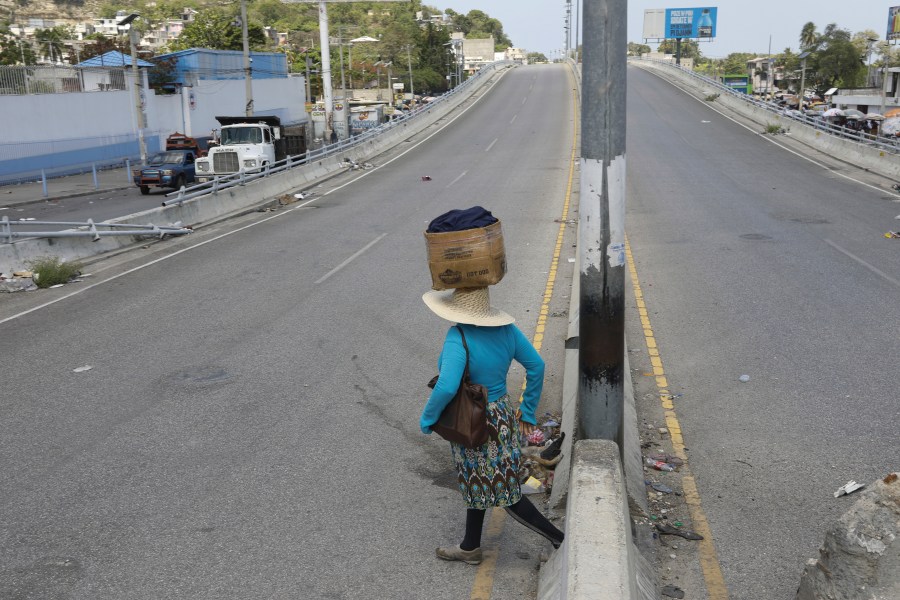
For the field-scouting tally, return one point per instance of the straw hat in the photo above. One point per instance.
(466, 305)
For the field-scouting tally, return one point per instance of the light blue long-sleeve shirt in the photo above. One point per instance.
(491, 351)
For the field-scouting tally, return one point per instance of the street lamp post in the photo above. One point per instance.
(248, 74)
(136, 90)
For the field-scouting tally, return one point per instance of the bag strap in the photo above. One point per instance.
(466, 346)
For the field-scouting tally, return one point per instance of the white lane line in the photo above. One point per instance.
(513, 119)
(770, 140)
(874, 269)
(153, 262)
(524, 100)
(286, 211)
(491, 145)
(458, 177)
(349, 260)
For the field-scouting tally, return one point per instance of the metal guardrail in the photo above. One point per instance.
(885, 144)
(86, 229)
(242, 178)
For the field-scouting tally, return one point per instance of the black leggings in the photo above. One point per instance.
(522, 511)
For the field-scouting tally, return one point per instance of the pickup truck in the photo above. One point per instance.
(169, 169)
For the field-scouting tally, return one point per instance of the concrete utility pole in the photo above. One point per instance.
(602, 221)
(136, 84)
(248, 73)
(412, 93)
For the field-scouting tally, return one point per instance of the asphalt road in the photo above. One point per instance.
(249, 427)
(754, 260)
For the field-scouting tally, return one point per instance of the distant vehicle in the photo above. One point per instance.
(249, 144)
(169, 169)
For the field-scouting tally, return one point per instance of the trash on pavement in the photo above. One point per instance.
(671, 591)
(554, 448)
(541, 452)
(82, 369)
(532, 486)
(660, 487)
(892, 235)
(744, 378)
(535, 437)
(848, 488)
(659, 465)
(667, 458)
(665, 529)
(426, 177)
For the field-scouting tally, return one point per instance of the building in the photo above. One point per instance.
(195, 64)
(871, 100)
(517, 55)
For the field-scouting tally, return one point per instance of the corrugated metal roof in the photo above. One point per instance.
(113, 58)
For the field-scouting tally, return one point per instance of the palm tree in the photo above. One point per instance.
(809, 37)
(51, 42)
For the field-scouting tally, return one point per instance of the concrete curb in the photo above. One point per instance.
(597, 560)
(234, 201)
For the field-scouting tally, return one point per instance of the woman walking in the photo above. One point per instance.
(489, 474)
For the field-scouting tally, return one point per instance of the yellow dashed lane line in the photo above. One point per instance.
(484, 576)
(709, 562)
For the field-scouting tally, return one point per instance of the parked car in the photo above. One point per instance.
(169, 169)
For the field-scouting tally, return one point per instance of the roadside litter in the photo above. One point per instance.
(660, 465)
(667, 458)
(848, 488)
(665, 529)
(659, 487)
(671, 591)
(744, 378)
(892, 235)
(540, 455)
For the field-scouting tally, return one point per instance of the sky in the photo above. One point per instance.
(742, 26)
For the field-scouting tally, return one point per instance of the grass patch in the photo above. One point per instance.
(49, 270)
(774, 129)
(712, 98)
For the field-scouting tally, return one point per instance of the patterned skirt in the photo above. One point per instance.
(489, 474)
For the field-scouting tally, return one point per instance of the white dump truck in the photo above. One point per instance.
(249, 144)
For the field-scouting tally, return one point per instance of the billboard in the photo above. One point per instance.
(893, 28)
(695, 23)
(655, 24)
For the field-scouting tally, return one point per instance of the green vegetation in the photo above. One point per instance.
(404, 42)
(50, 270)
(774, 129)
(711, 98)
(637, 49)
(837, 58)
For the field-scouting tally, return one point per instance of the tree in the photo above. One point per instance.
(52, 41)
(635, 49)
(536, 57)
(477, 24)
(809, 37)
(432, 57)
(218, 29)
(838, 61)
(99, 45)
(689, 48)
(13, 51)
